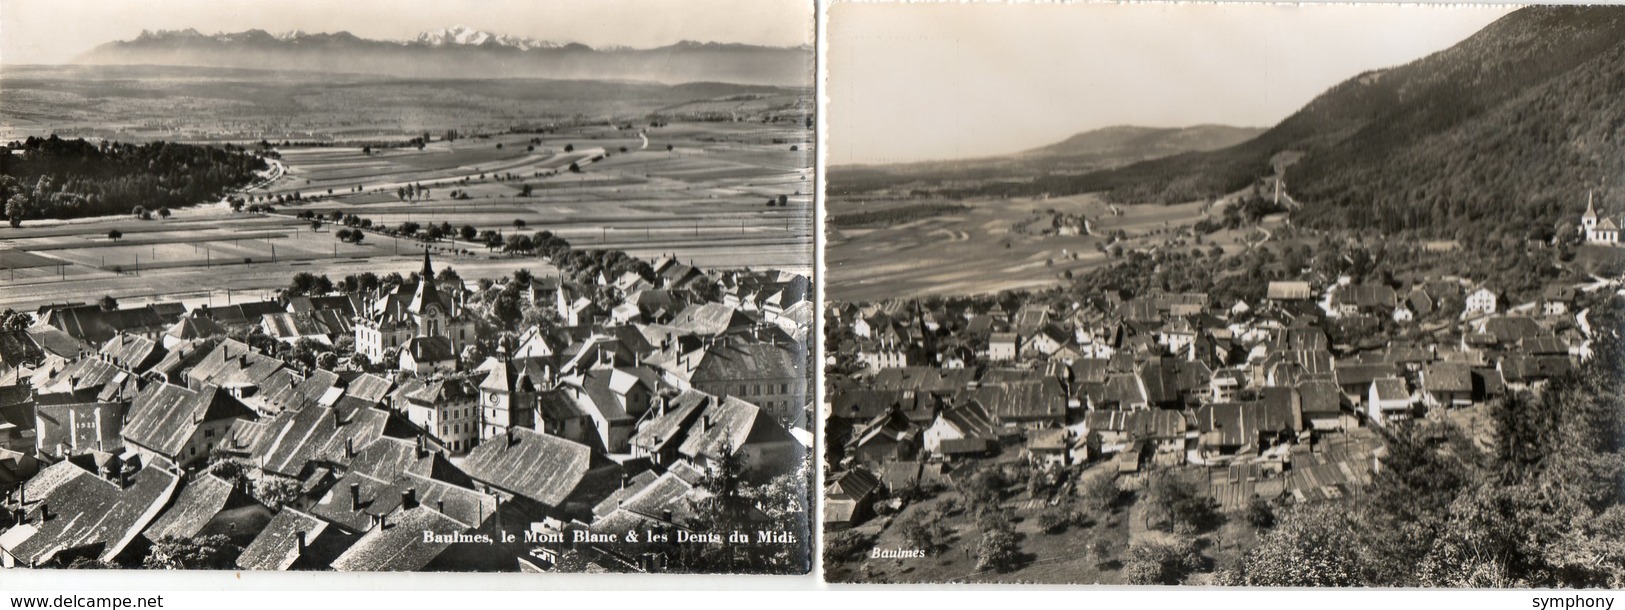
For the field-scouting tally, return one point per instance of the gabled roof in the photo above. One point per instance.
(86, 511)
(1283, 291)
(317, 433)
(56, 342)
(164, 416)
(429, 349)
(277, 546)
(233, 364)
(368, 388)
(710, 319)
(195, 327)
(856, 483)
(87, 425)
(543, 468)
(1319, 398)
(90, 323)
(1390, 388)
(1138, 425)
(1039, 399)
(18, 349)
(703, 425)
(400, 546)
(202, 497)
(287, 326)
(1447, 377)
(1362, 374)
(240, 314)
(1239, 424)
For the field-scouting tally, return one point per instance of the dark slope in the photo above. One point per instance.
(1507, 128)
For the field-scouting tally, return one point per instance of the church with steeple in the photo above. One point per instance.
(1598, 229)
(426, 322)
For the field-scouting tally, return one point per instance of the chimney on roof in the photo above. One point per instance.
(511, 438)
(440, 505)
(349, 448)
(355, 496)
(337, 421)
(299, 536)
(409, 498)
(423, 445)
(665, 515)
(44, 512)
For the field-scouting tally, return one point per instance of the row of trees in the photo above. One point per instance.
(57, 179)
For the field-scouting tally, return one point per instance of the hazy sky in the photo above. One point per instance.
(54, 31)
(940, 81)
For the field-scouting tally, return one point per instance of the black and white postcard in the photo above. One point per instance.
(407, 286)
(1225, 294)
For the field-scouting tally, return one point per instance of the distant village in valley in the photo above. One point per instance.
(622, 415)
(1124, 429)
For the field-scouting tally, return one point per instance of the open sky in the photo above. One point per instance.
(55, 31)
(925, 81)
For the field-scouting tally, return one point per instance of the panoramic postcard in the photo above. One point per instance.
(421, 286)
(1254, 295)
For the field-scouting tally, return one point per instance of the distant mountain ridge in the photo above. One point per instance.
(1088, 151)
(461, 52)
(1146, 142)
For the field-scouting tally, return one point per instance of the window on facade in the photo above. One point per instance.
(208, 434)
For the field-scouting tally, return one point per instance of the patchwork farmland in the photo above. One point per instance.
(697, 191)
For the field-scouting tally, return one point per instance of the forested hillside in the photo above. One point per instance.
(57, 179)
(1503, 132)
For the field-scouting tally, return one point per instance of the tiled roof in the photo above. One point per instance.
(202, 497)
(546, 469)
(86, 511)
(164, 416)
(399, 546)
(277, 546)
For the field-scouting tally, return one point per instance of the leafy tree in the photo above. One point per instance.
(163, 212)
(517, 243)
(468, 232)
(920, 533)
(998, 551)
(17, 208)
(1161, 563)
(1259, 513)
(1053, 521)
(276, 492)
(214, 552)
(108, 303)
(115, 234)
(1314, 546)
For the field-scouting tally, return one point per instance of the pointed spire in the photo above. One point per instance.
(1591, 210)
(428, 270)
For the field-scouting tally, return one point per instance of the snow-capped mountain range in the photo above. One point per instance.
(461, 52)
